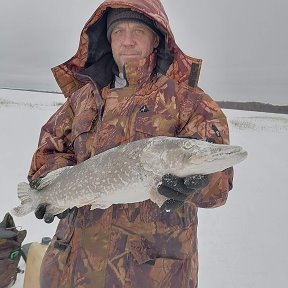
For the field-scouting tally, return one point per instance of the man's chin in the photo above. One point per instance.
(131, 58)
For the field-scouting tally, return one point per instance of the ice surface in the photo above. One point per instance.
(241, 245)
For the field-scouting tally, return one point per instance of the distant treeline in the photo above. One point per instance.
(248, 106)
(31, 90)
(253, 106)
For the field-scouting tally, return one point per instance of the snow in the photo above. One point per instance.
(241, 244)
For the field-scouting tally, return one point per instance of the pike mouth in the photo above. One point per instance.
(230, 152)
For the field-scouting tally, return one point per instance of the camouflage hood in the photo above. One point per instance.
(94, 61)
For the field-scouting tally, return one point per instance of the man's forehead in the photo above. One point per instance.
(131, 23)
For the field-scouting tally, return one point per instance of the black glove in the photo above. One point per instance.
(40, 213)
(177, 189)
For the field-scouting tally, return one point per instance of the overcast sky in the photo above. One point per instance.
(243, 44)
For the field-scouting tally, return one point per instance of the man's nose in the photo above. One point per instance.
(128, 39)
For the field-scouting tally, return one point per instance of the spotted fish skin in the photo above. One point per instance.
(126, 174)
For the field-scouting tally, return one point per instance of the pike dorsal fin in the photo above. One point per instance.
(51, 176)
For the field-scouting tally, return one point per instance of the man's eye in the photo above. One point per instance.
(139, 31)
(116, 32)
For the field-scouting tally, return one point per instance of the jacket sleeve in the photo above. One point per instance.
(54, 147)
(209, 123)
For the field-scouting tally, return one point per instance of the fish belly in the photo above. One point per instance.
(99, 183)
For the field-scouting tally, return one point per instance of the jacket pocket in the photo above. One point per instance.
(83, 123)
(149, 212)
(82, 134)
(57, 253)
(54, 265)
(161, 273)
(151, 123)
(215, 132)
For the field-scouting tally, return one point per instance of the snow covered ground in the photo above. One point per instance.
(241, 245)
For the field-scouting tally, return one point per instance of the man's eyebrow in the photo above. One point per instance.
(139, 24)
(136, 23)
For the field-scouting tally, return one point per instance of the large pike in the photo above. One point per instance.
(127, 173)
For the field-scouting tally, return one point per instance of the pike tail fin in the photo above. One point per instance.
(26, 197)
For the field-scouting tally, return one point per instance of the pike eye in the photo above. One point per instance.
(187, 145)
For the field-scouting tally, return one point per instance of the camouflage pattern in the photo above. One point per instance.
(179, 70)
(128, 245)
(10, 250)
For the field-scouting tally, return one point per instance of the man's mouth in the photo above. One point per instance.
(130, 55)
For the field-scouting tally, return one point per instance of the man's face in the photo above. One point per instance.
(131, 41)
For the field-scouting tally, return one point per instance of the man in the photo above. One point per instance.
(129, 80)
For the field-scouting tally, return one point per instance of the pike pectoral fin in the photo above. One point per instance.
(156, 197)
(98, 205)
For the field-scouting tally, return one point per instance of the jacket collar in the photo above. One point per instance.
(139, 72)
(95, 58)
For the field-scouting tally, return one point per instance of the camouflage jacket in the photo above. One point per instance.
(127, 245)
